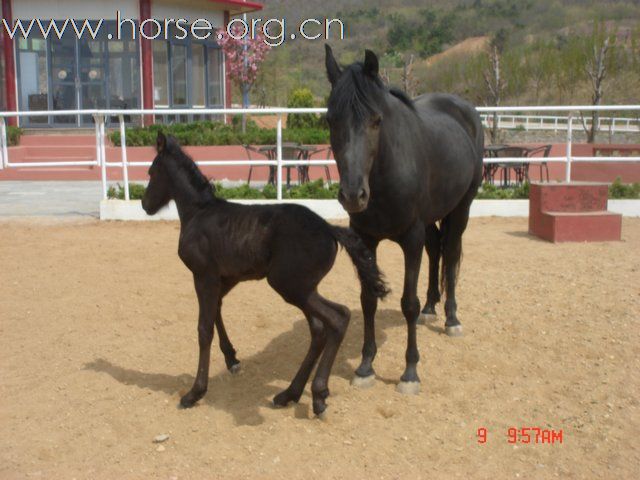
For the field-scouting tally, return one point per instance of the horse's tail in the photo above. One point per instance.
(371, 278)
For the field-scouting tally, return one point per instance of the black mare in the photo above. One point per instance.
(224, 243)
(404, 165)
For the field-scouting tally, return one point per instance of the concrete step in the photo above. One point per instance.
(599, 226)
(41, 140)
(569, 197)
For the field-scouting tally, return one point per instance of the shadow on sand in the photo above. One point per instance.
(243, 395)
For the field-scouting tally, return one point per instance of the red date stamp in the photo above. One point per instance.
(525, 435)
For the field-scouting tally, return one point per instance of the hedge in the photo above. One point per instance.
(318, 190)
(218, 133)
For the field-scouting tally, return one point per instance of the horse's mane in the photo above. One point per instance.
(195, 177)
(360, 93)
(403, 97)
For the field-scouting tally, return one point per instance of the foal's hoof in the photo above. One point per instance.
(408, 388)
(283, 399)
(453, 330)
(190, 399)
(235, 368)
(363, 382)
(320, 409)
(427, 318)
(322, 415)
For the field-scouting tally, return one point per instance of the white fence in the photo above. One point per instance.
(557, 123)
(124, 164)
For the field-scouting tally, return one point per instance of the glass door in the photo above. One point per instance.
(64, 87)
(91, 83)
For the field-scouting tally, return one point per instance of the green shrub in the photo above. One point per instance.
(620, 190)
(219, 133)
(302, 98)
(489, 191)
(310, 190)
(13, 135)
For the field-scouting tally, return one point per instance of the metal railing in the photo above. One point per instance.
(101, 160)
(555, 123)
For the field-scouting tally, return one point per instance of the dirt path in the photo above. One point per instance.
(98, 340)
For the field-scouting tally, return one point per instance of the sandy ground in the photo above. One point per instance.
(98, 340)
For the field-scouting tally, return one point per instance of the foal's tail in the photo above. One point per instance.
(371, 277)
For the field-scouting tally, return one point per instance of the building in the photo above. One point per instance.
(117, 69)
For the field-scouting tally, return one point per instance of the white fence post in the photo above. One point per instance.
(569, 146)
(98, 150)
(4, 161)
(123, 150)
(279, 158)
(103, 156)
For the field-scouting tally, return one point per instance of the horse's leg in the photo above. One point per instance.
(335, 318)
(453, 226)
(365, 375)
(230, 359)
(433, 247)
(412, 243)
(318, 340)
(208, 292)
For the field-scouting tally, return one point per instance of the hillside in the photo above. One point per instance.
(447, 42)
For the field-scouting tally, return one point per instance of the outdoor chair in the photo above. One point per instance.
(307, 154)
(521, 170)
(545, 150)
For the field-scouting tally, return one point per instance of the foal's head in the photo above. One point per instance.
(171, 173)
(355, 115)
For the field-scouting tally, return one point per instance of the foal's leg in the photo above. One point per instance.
(454, 226)
(433, 248)
(336, 320)
(208, 291)
(365, 375)
(318, 340)
(230, 359)
(412, 243)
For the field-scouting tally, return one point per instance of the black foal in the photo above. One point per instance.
(224, 243)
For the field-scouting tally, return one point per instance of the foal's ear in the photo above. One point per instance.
(161, 142)
(370, 63)
(333, 69)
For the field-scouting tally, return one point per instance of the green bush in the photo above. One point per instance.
(620, 190)
(489, 191)
(303, 98)
(13, 135)
(310, 190)
(219, 133)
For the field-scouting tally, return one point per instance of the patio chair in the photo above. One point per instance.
(307, 154)
(266, 153)
(521, 170)
(545, 150)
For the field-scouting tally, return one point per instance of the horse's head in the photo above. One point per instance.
(158, 191)
(355, 118)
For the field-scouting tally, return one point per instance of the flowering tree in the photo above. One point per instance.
(243, 57)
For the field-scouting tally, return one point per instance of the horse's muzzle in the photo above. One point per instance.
(354, 202)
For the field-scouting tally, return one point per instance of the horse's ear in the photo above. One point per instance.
(370, 63)
(161, 142)
(333, 69)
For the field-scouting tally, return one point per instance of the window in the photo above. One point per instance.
(187, 73)
(198, 75)
(215, 81)
(179, 74)
(33, 85)
(160, 74)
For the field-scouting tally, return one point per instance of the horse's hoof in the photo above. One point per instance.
(322, 416)
(408, 388)
(234, 369)
(453, 330)
(427, 318)
(363, 382)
